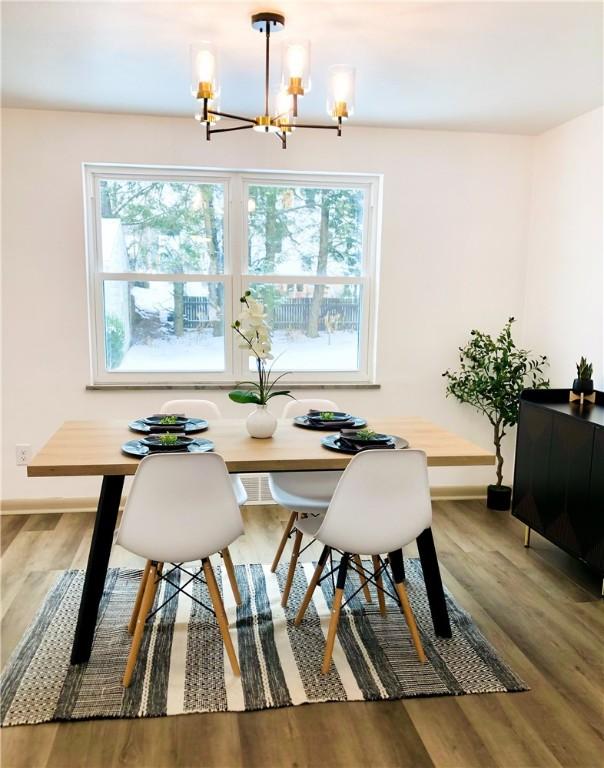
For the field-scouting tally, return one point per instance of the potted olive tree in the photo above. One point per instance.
(492, 374)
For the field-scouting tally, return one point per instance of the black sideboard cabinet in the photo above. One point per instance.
(559, 472)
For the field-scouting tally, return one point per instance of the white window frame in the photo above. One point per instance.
(235, 277)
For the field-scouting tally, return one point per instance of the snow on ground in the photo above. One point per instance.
(201, 352)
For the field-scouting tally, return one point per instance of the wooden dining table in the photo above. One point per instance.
(93, 448)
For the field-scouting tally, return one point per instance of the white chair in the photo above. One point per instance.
(302, 407)
(181, 508)
(197, 409)
(381, 504)
(298, 492)
(204, 409)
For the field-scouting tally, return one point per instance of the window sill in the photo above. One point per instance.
(225, 386)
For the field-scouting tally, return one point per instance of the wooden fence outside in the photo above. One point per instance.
(288, 314)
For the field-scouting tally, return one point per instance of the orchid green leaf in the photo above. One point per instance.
(243, 396)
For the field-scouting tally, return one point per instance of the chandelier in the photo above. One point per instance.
(295, 83)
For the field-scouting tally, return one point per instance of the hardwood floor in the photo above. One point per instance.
(539, 608)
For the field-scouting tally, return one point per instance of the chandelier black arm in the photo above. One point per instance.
(282, 137)
(231, 117)
(234, 128)
(310, 125)
(266, 67)
(337, 127)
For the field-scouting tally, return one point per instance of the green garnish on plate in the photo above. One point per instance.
(168, 439)
(169, 420)
(366, 434)
(327, 415)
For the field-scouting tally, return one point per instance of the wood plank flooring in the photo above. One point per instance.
(539, 608)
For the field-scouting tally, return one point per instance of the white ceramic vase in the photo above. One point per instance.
(261, 422)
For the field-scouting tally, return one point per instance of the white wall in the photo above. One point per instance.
(455, 223)
(564, 301)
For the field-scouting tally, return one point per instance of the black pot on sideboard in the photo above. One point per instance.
(583, 386)
(499, 497)
(559, 472)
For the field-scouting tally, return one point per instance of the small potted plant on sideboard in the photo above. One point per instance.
(492, 375)
(584, 383)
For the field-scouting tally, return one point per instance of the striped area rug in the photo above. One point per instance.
(182, 665)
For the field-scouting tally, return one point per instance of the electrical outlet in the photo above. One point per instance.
(22, 451)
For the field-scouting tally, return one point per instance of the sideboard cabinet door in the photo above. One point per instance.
(531, 489)
(568, 522)
(595, 551)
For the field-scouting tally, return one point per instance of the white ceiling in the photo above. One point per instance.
(518, 67)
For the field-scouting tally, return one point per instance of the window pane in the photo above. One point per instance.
(315, 327)
(163, 326)
(162, 226)
(305, 230)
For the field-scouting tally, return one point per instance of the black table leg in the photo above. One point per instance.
(434, 585)
(96, 570)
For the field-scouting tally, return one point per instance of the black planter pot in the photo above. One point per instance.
(499, 497)
(583, 386)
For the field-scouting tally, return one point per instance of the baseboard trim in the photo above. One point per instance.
(57, 505)
(51, 505)
(457, 492)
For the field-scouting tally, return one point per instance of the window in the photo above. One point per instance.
(171, 250)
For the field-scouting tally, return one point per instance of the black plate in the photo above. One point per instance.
(337, 415)
(356, 423)
(137, 449)
(154, 442)
(157, 418)
(191, 427)
(332, 442)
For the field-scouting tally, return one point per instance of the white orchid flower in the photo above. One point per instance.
(255, 337)
(262, 351)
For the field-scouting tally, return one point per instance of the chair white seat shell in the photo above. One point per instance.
(301, 407)
(196, 409)
(309, 524)
(381, 503)
(302, 491)
(239, 490)
(181, 508)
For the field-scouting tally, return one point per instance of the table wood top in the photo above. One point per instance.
(93, 448)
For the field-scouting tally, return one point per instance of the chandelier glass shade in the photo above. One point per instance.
(205, 71)
(295, 84)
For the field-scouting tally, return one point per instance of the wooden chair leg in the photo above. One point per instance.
(284, 538)
(228, 564)
(220, 614)
(335, 614)
(378, 580)
(292, 567)
(145, 607)
(396, 559)
(139, 597)
(364, 582)
(311, 587)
